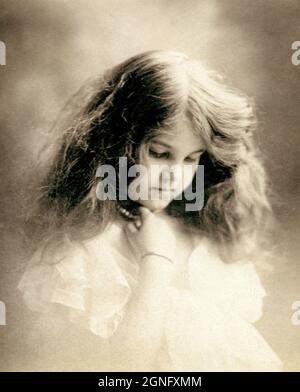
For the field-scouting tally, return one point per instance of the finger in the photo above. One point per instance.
(138, 223)
(144, 212)
(131, 228)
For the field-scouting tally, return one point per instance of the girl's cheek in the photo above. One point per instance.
(154, 173)
(188, 176)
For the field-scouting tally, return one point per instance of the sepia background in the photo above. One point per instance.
(54, 46)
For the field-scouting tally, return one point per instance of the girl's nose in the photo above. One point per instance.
(170, 176)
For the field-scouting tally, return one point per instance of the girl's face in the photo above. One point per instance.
(171, 162)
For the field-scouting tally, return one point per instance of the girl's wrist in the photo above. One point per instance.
(157, 270)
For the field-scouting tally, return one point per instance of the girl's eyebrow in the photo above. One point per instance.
(168, 146)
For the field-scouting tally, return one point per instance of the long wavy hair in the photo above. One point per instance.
(117, 114)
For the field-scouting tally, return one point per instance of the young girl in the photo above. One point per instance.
(146, 284)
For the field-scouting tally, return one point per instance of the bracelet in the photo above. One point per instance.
(157, 254)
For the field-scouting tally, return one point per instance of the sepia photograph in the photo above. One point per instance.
(150, 189)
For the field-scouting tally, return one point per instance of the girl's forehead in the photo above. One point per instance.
(182, 139)
(181, 135)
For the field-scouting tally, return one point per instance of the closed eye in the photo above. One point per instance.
(194, 159)
(188, 159)
(167, 155)
(158, 154)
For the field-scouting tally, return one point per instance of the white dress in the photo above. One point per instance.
(208, 327)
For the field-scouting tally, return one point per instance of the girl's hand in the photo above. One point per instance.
(151, 232)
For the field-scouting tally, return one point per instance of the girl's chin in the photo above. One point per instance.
(155, 205)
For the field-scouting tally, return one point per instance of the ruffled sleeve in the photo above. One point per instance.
(235, 287)
(209, 325)
(247, 291)
(92, 281)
